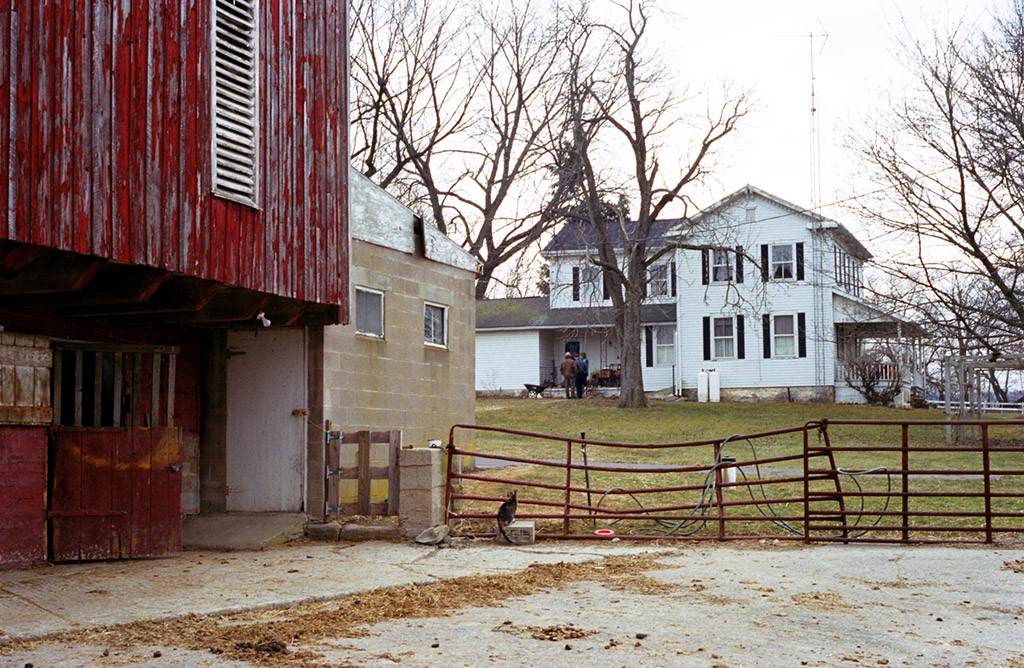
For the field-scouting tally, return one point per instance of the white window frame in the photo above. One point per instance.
(664, 353)
(721, 259)
(362, 332)
(730, 338)
(658, 280)
(429, 337)
(776, 336)
(774, 264)
(234, 101)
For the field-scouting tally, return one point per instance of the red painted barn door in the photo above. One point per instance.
(115, 486)
(116, 493)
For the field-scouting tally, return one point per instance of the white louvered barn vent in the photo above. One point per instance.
(235, 88)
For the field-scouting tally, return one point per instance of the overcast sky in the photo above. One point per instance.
(765, 44)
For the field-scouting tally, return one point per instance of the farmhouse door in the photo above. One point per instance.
(116, 493)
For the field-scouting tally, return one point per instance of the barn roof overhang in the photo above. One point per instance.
(49, 285)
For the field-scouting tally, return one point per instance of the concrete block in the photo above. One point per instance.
(421, 501)
(369, 532)
(521, 532)
(420, 457)
(329, 532)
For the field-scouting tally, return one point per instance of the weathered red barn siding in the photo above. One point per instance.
(23, 491)
(105, 140)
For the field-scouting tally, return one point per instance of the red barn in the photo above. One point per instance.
(174, 182)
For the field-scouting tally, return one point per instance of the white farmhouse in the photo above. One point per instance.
(774, 304)
(761, 298)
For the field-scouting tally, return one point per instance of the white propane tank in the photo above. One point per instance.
(714, 387)
(702, 386)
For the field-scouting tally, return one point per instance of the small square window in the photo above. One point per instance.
(369, 312)
(435, 325)
(721, 266)
(658, 278)
(783, 262)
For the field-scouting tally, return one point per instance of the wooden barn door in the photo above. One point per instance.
(115, 477)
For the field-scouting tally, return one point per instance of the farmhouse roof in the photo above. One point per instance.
(579, 235)
(816, 220)
(536, 313)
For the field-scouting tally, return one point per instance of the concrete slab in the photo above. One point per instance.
(755, 605)
(241, 531)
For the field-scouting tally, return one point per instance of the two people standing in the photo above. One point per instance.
(575, 373)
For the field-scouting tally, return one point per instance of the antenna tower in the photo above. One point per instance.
(823, 339)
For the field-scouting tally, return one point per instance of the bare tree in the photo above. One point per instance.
(620, 107)
(456, 113)
(950, 163)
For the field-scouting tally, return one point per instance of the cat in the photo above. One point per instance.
(507, 515)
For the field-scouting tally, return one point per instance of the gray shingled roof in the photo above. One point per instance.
(535, 313)
(578, 235)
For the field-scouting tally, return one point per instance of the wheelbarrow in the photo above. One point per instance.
(534, 391)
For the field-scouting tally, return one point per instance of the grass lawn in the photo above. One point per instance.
(682, 422)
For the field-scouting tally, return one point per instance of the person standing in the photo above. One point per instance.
(582, 373)
(568, 371)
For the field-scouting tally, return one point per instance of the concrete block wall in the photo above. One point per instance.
(421, 495)
(398, 382)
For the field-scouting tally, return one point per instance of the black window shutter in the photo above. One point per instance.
(800, 262)
(575, 284)
(741, 351)
(649, 340)
(604, 287)
(707, 338)
(672, 268)
(801, 333)
(739, 264)
(764, 262)
(766, 324)
(705, 269)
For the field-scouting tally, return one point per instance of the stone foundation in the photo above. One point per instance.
(771, 394)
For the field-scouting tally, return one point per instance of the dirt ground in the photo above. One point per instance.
(754, 605)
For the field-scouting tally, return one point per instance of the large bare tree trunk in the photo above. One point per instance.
(631, 392)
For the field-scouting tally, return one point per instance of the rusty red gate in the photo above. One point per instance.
(827, 480)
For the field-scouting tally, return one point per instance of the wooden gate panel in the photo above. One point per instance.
(366, 448)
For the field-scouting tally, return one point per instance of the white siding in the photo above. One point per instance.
(507, 360)
(657, 377)
(591, 286)
(752, 299)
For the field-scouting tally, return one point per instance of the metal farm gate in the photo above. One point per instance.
(827, 480)
(115, 455)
